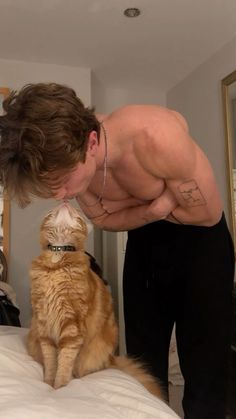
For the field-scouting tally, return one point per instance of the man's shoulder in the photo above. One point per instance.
(137, 109)
(147, 114)
(135, 118)
(149, 125)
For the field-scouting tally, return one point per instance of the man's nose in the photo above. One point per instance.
(60, 194)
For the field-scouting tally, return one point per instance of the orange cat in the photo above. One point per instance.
(73, 330)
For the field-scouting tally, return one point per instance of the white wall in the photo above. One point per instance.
(24, 224)
(14, 74)
(108, 98)
(198, 98)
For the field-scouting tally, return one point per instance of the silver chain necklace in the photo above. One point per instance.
(99, 199)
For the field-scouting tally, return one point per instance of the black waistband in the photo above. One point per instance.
(164, 227)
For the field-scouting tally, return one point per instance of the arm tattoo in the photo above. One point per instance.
(191, 193)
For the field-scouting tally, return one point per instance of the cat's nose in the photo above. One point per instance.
(65, 205)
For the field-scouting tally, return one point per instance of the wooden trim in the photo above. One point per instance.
(4, 91)
(6, 203)
(6, 226)
(231, 78)
(225, 83)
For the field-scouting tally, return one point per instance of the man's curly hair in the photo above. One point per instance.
(44, 133)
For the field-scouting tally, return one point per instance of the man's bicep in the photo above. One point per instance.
(198, 200)
(170, 151)
(190, 194)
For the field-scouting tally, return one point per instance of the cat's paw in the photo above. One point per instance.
(49, 381)
(60, 382)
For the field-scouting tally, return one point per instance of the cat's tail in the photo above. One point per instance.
(137, 370)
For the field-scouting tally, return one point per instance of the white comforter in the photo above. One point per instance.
(105, 394)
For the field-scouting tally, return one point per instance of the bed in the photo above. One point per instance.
(105, 394)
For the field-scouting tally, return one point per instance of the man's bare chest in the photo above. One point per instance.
(127, 182)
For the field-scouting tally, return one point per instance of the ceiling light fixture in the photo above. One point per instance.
(132, 12)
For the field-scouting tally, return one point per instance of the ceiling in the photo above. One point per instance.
(164, 44)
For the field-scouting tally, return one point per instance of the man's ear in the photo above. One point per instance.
(92, 143)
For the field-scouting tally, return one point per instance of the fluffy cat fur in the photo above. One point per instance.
(73, 330)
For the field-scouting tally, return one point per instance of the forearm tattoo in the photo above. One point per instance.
(191, 193)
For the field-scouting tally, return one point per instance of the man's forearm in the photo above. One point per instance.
(127, 218)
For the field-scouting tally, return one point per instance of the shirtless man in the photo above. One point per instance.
(139, 170)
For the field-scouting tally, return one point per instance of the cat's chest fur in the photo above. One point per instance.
(59, 296)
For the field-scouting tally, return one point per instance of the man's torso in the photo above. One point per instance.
(140, 143)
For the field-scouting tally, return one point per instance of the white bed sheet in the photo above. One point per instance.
(175, 375)
(105, 394)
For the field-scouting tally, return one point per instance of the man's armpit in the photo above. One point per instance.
(191, 193)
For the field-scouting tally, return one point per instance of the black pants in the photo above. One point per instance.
(182, 274)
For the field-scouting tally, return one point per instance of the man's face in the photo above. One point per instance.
(77, 181)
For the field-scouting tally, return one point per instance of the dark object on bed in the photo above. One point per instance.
(3, 267)
(96, 268)
(9, 314)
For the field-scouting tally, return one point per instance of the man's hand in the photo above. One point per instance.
(115, 206)
(162, 206)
